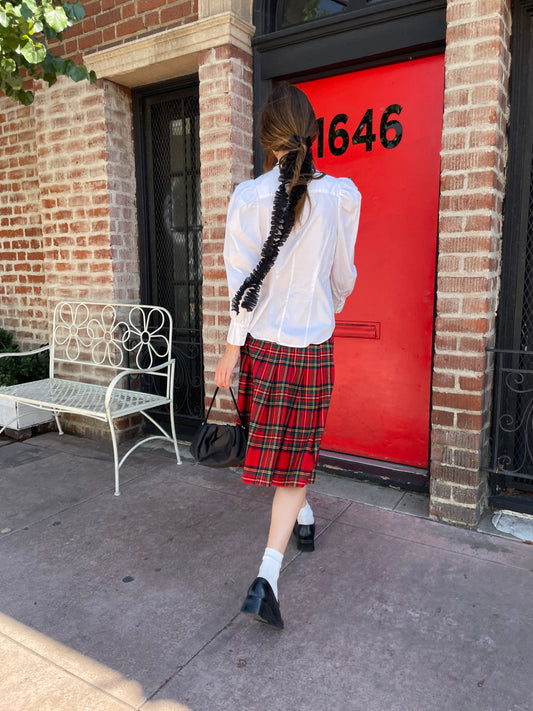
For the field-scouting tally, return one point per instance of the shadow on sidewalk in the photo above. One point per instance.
(135, 598)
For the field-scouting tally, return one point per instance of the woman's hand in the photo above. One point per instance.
(226, 365)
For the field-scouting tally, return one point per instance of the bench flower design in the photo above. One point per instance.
(117, 344)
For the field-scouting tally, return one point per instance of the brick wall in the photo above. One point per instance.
(71, 157)
(470, 226)
(113, 22)
(67, 201)
(86, 188)
(121, 191)
(79, 153)
(226, 126)
(21, 253)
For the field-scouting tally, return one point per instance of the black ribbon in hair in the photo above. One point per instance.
(281, 224)
(302, 139)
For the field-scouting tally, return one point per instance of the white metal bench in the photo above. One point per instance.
(129, 347)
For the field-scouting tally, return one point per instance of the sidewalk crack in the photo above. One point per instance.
(184, 666)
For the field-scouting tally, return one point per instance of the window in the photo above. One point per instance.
(297, 12)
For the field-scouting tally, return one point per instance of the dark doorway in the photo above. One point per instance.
(167, 149)
(511, 463)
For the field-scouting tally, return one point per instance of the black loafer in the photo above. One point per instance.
(261, 604)
(305, 534)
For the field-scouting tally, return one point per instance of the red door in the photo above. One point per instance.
(382, 127)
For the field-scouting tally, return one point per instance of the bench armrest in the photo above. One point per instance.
(18, 354)
(136, 371)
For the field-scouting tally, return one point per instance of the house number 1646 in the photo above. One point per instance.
(390, 131)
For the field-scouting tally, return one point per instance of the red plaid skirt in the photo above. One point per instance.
(284, 396)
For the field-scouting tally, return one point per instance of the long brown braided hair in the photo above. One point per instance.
(287, 123)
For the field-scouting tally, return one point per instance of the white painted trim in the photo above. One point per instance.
(169, 53)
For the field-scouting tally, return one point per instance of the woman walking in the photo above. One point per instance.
(288, 251)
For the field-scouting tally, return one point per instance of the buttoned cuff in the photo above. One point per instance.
(237, 334)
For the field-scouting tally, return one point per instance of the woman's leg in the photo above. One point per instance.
(287, 502)
(262, 598)
(285, 507)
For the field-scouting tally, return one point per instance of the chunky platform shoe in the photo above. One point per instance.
(261, 604)
(305, 535)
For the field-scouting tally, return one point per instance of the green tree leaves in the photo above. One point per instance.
(56, 18)
(33, 52)
(25, 27)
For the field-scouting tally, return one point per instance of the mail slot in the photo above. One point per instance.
(357, 329)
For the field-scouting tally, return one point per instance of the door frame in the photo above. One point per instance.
(168, 90)
(382, 33)
(178, 88)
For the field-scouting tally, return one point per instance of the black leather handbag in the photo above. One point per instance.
(219, 445)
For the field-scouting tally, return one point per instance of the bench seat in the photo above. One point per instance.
(111, 343)
(81, 398)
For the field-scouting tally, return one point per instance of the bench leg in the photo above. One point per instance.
(173, 430)
(115, 456)
(59, 428)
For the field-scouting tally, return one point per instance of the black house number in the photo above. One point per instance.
(390, 131)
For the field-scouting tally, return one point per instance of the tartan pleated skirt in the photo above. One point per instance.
(284, 396)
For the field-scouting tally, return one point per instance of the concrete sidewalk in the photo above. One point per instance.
(113, 603)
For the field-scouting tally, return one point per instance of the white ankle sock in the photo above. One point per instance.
(270, 567)
(305, 515)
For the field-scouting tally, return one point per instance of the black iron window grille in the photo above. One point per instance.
(513, 414)
(511, 466)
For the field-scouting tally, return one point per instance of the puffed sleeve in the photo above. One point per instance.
(344, 273)
(242, 249)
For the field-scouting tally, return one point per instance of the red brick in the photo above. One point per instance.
(466, 496)
(469, 421)
(458, 401)
(462, 362)
(130, 27)
(464, 201)
(463, 284)
(90, 41)
(452, 182)
(473, 345)
(442, 418)
(109, 33)
(472, 383)
(448, 305)
(458, 11)
(128, 10)
(445, 342)
(461, 325)
(480, 264)
(488, 7)
(461, 515)
(479, 305)
(447, 263)
(108, 18)
(468, 160)
(443, 380)
(175, 12)
(450, 224)
(441, 489)
(479, 223)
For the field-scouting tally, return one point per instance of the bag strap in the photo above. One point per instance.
(213, 402)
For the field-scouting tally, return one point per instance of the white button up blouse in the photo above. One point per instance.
(314, 271)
